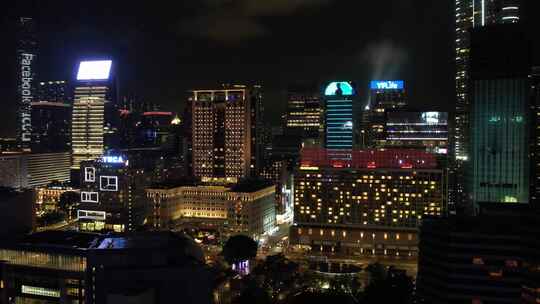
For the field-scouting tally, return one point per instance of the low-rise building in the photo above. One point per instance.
(26, 170)
(48, 197)
(247, 207)
(74, 267)
(17, 212)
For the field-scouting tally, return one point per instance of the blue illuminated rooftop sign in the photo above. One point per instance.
(387, 84)
(339, 88)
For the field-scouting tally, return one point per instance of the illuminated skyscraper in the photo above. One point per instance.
(535, 136)
(470, 14)
(501, 119)
(304, 112)
(339, 121)
(92, 91)
(26, 75)
(224, 128)
(385, 95)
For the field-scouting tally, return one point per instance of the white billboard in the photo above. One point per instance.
(94, 70)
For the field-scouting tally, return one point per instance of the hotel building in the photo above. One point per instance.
(227, 132)
(369, 205)
(247, 207)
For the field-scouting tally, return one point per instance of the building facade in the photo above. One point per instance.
(54, 91)
(501, 120)
(417, 130)
(28, 170)
(235, 209)
(385, 96)
(74, 267)
(13, 171)
(225, 126)
(51, 122)
(339, 115)
(112, 195)
(44, 168)
(305, 112)
(488, 258)
(382, 192)
(26, 79)
(471, 14)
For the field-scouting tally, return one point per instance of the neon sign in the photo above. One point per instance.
(339, 88)
(26, 87)
(113, 159)
(387, 85)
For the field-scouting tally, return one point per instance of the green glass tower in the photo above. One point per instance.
(501, 122)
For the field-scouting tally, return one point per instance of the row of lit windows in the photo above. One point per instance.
(361, 234)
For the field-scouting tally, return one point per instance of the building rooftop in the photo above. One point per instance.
(78, 242)
(60, 239)
(494, 219)
(251, 185)
(171, 184)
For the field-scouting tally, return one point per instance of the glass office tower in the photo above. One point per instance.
(501, 121)
(339, 115)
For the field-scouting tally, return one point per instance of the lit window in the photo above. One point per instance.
(89, 174)
(108, 183)
(89, 197)
(477, 261)
(511, 263)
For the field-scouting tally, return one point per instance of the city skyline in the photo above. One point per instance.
(270, 151)
(386, 51)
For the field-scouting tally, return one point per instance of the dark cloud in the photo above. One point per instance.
(235, 21)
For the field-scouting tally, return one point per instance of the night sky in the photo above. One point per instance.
(164, 50)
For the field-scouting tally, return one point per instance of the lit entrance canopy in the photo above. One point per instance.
(334, 87)
(94, 70)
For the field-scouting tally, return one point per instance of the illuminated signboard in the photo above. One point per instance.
(40, 291)
(94, 70)
(387, 85)
(431, 117)
(91, 215)
(339, 88)
(26, 89)
(112, 159)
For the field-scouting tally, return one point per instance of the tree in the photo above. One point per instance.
(67, 201)
(50, 218)
(388, 286)
(239, 248)
(278, 274)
